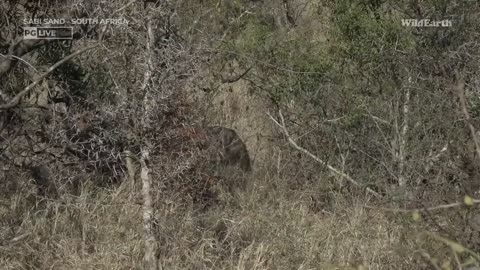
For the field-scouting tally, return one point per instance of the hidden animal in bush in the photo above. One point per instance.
(221, 146)
(229, 149)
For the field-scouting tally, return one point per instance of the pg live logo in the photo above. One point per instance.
(47, 32)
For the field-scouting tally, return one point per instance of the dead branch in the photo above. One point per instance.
(16, 50)
(460, 89)
(16, 99)
(429, 209)
(317, 159)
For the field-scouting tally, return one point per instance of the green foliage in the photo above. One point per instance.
(307, 65)
(304, 63)
(253, 37)
(475, 106)
(369, 39)
(354, 119)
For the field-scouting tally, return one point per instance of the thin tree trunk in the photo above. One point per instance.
(402, 179)
(150, 258)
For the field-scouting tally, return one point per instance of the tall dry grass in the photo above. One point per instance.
(268, 225)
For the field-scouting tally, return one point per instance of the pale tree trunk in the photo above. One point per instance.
(402, 135)
(150, 258)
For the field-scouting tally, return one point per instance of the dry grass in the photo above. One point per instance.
(264, 227)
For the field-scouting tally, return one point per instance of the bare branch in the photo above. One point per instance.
(21, 60)
(317, 159)
(429, 209)
(16, 50)
(460, 89)
(16, 99)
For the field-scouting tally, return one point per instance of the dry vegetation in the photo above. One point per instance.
(352, 141)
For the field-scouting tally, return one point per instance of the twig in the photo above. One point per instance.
(19, 238)
(317, 159)
(124, 7)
